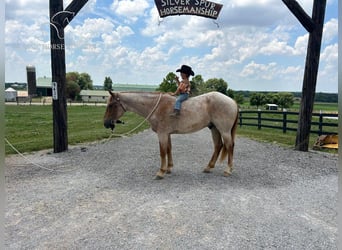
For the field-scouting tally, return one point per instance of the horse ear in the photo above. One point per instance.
(111, 93)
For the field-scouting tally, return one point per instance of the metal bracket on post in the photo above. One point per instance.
(54, 91)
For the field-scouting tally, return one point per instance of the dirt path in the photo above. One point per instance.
(104, 196)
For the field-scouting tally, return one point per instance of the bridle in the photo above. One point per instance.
(118, 100)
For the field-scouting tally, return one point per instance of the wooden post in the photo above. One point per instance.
(284, 121)
(320, 125)
(259, 119)
(59, 19)
(313, 25)
(60, 131)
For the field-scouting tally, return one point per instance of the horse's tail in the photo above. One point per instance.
(224, 149)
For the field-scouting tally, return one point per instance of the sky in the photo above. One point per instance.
(252, 45)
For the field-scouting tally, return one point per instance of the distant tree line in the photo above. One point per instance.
(282, 99)
(319, 97)
(200, 86)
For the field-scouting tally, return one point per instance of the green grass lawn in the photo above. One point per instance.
(30, 128)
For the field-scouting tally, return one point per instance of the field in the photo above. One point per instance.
(29, 127)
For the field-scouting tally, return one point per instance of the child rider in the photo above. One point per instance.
(183, 89)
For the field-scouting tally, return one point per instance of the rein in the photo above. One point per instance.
(140, 124)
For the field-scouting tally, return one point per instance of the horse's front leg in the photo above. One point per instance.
(163, 149)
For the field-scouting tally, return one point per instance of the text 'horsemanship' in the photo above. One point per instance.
(188, 7)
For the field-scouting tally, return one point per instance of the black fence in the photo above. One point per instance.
(322, 123)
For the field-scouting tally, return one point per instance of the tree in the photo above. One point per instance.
(215, 84)
(239, 99)
(72, 76)
(272, 98)
(169, 83)
(197, 85)
(285, 100)
(108, 83)
(257, 99)
(84, 81)
(72, 89)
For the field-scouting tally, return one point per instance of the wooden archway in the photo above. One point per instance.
(60, 18)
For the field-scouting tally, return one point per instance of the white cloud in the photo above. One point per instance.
(301, 45)
(329, 61)
(130, 9)
(26, 11)
(276, 47)
(263, 71)
(330, 30)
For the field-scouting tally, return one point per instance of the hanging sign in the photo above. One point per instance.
(188, 7)
(54, 91)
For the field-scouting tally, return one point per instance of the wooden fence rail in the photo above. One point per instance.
(322, 123)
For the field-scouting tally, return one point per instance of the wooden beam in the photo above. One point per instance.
(310, 76)
(59, 19)
(74, 7)
(60, 131)
(301, 15)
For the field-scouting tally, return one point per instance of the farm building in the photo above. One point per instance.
(44, 86)
(271, 107)
(94, 95)
(10, 95)
(23, 96)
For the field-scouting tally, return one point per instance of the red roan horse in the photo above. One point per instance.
(214, 110)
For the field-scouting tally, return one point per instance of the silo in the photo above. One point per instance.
(31, 80)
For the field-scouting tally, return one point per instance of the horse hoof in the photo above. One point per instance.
(207, 170)
(160, 174)
(168, 171)
(226, 174)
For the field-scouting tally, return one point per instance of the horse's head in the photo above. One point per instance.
(114, 110)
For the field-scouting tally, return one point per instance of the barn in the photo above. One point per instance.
(10, 95)
(94, 95)
(44, 86)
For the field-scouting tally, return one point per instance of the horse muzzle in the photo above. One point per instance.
(109, 124)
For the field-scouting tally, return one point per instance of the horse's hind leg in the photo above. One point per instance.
(169, 156)
(229, 144)
(217, 148)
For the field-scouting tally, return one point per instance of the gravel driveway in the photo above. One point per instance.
(104, 196)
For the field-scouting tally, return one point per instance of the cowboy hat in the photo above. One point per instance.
(186, 70)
